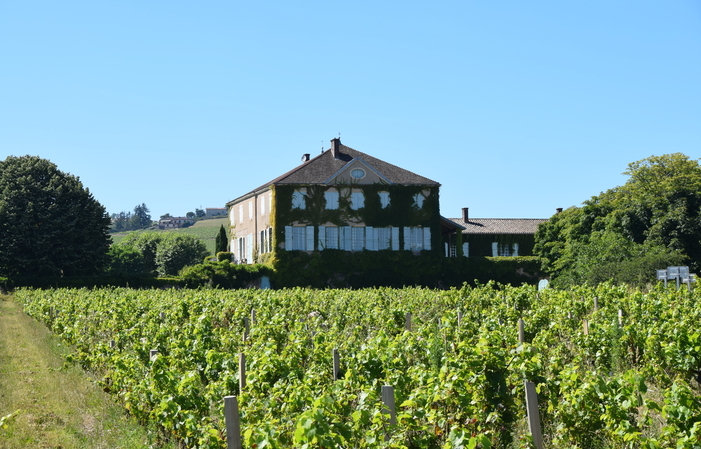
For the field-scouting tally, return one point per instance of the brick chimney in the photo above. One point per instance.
(336, 147)
(465, 215)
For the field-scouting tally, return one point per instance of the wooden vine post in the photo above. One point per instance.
(387, 394)
(585, 327)
(459, 317)
(242, 372)
(533, 414)
(152, 354)
(233, 425)
(247, 329)
(336, 364)
(620, 317)
(407, 321)
(521, 331)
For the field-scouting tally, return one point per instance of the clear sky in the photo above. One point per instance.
(515, 107)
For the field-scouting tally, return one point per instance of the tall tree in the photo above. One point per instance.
(141, 218)
(221, 243)
(50, 225)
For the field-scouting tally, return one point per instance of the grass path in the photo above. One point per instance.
(52, 405)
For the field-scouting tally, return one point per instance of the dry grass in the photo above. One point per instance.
(51, 405)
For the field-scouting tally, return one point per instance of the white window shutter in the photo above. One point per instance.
(515, 253)
(395, 239)
(495, 249)
(427, 238)
(310, 238)
(370, 239)
(407, 238)
(466, 249)
(288, 238)
(446, 249)
(347, 238)
(249, 248)
(322, 238)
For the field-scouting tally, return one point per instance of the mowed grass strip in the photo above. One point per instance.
(52, 405)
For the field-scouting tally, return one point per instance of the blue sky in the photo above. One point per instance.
(515, 107)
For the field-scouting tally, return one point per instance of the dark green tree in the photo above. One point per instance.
(200, 213)
(625, 233)
(141, 219)
(50, 224)
(221, 242)
(163, 253)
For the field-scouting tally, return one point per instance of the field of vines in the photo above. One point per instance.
(613, 368)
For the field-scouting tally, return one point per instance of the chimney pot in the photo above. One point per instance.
(465, 215)
(305, 157)
(558, 210)
(336, 147)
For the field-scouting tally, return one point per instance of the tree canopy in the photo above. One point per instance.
(50, 225)
(625, 233)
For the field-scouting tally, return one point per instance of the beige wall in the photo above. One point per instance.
(247, 218)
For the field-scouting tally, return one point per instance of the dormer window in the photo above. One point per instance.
(358, 173)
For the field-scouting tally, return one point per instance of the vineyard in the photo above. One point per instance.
(613, 368)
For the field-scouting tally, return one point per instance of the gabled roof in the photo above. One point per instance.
(500, 225)
(322, 168)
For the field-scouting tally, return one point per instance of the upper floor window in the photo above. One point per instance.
(298, 199)
(357, 200)
(419, 200)
(504, 249)
(250, 210)
(240, 213)
(262, 205)
(384, 199)
(331, 197)
(358, 173)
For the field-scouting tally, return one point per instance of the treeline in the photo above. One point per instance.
(128, 221)
(626, 233)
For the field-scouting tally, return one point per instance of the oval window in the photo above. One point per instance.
(358, 173)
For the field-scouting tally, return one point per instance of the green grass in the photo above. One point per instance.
(46, 403)
(206, 230)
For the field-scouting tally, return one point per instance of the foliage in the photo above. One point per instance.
(652, 221)
(50, 224)
(223, 274)
(165, 253)
(629, 382)
(127, 221)
(126, 261)
(222, 241)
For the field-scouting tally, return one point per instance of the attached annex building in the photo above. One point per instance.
(342, 199)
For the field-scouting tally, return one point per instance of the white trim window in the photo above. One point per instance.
(345, 240)
(250, 209)
(249, 248)
(241, 213)
(328, 237)
(262, 205)
(466, 249)
(387, 238)
(384, 199)
(265, 244)
(358, 238)
(299, 238)
(331, 197)
(357, 200)
(298, 199)
(417, 238)
(504, 249)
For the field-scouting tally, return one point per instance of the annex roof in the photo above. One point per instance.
(322, 168)
(499, 225)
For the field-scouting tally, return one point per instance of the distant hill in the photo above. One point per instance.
(206, 230)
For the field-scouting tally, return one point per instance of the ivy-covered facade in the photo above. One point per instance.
(341, 200)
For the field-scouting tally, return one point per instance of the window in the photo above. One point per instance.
(384, 238)
(240, 213)
(262, 205)
(466, 249)
(250, 210)
(504, 249)
(298, 199)
(419, 200)
(358, 173)
(265, 242)
(331, 197)
(357, 200)
(358, 238)
(328, 237)
(232, 219)
(384, 199)
(299, 238)
(417, 239)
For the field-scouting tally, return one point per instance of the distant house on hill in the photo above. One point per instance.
(174, 222)
(214, 211)
(497, 237)
(342, 199)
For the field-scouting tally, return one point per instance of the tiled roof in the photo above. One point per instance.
(499, 225)
(319, 169)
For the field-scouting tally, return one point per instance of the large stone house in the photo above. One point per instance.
(341, 199)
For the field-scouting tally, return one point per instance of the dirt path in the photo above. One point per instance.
(52, 405)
